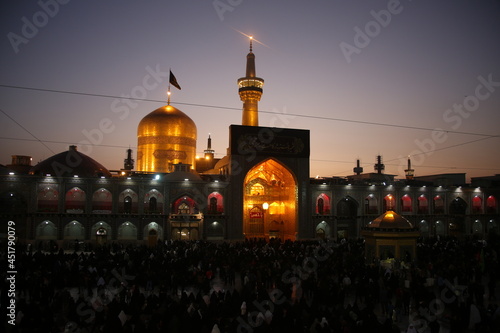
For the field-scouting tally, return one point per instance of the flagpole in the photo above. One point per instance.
(168, 91)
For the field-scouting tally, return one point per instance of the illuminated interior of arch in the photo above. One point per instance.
(270, 201)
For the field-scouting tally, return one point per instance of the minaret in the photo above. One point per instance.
(250, 90)
(379, 167)
(409, 172)
(358, 169)
(209, 153)
(128, 163)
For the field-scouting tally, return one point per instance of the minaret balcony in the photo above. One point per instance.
(250, 83)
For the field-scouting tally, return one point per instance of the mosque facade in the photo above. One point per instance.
(261, 189)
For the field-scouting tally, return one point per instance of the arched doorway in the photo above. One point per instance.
(101, 236)
(270, 201)
(423, 226)
(153, 232)
(323, 230)
(440, 228)
(152, 237)
(100, 232)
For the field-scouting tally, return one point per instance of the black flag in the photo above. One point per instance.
(173, 81)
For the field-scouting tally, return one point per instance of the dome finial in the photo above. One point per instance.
(251, 38)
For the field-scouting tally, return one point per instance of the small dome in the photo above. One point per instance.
(165, 137)
(390, 220)
(70, 163)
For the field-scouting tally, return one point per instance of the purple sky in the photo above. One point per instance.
(337, 68)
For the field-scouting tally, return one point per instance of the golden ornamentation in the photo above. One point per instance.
(169, 154)
(165, 137)
(167, 140)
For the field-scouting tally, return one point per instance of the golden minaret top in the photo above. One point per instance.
(250, 90)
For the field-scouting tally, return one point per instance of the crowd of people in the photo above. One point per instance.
(258, 286)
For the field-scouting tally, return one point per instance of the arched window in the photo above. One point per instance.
(183, 208)
(127, 202)
(371, 205)
(127, 205)
(477, 205)
(257, 189)
(47, 198)
(347, 208)
(406, 205)
(438, 205)
(153, 205)
(423, 205)
(212, 208)
(185, 205)
(323, 204)
(389, 202)
(153, 202)
(491, 205)
(75, 201)
(320, 206)
(215, 203)
(102, 201)
(458, 206)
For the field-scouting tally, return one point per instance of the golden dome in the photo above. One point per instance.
(165, 137)
(390, 220)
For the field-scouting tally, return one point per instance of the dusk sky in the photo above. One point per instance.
(394, 78)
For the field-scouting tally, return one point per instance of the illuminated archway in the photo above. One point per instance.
(48, 198)
(185, 205)
(371, 204)
(323, 204)
(75, 201)
(389, 202)
(423, 205)
(477, 205)
(215, 203)
(127, 202)
(270, 201)
(406, 204)
(102, 201)
(491, 205)
(153, 202)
